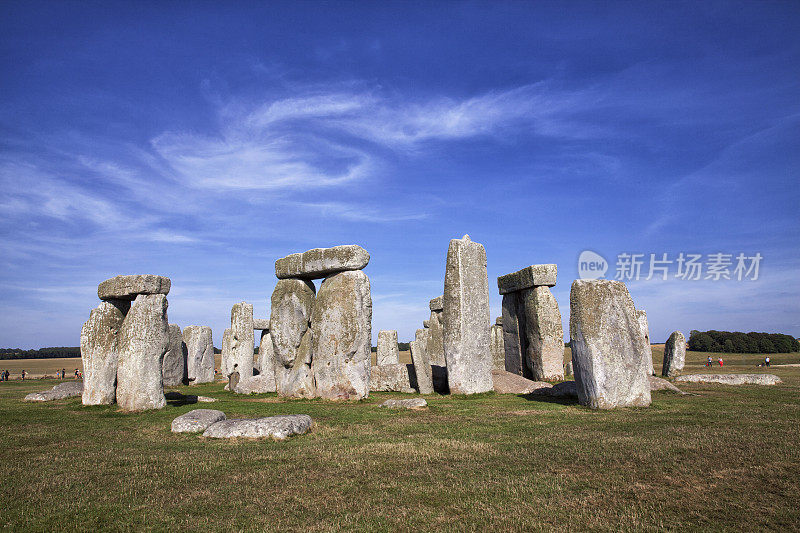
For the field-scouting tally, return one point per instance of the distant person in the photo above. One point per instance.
(709, 361)
(23, 375)
(766, 361)
(63, 373)
(76, 373)
(720, 361)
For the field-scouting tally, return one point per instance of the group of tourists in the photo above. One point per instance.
(710, 362)
(4, 375)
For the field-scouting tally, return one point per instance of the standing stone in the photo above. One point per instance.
(143, 341)
(674, 355)
(606, 339)
(388, 352)
(243, 339)
(544, 332)
(173, 369)
(390, 378)
(435, 341)
(515, 340)
(266, 359)
(291, 306)
(422, 362)
(100, 352)
(199, 354)
(226, 355)
(466, 318)
(568, 369)
(497, 348)
(342, 336)
(647, 351)
(322, 262)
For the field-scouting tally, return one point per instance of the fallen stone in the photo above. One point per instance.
(662, 384)
(409, 403)
(423, 371)
(509, 383)
(276, 427)
(391, 378)
(143, 341)
(731, 379)
(196, 421)
(266, 359)
(206, 399)
(437, 304)
(261, 324)
(607, 346)
(532, 276)
(497, 348)
(388, 352)
(466, 318)
(173, 369)
(341, 337)
(128, 287)
(544, 334)
(199, 354)
(69, 389)
(292, 303)
(322, 262)
(255, 384)
(243, 339)
(100, 352)
(674, 355)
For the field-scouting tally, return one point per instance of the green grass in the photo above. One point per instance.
(722, 458)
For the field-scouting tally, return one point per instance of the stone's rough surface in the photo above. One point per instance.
(532, 276)
(388, 352)
(255, 384)
(607, 343)
(545, 337)
(341, 337)
(100, 352)
(226, 357)
(206, 399)
(423, 371)
(466, 318)
(261, 324)
(291, 306)
(276, 427)
(196, 421)
(674, 355)
(128, 287)
(662, 384)
(409, 403)
(498, 321)
(515, 341)
(497, 348)
(143, 341)
(266, 358)
(426, 323)
(199, 354)
(243, 339)
(437, 304)
(322, 262)
(69, 389)
(391, 378)
(508, 383)
(647, 352)
(173, 369)
(732, 379)
(435, 339)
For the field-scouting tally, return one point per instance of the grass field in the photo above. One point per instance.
(721, 458)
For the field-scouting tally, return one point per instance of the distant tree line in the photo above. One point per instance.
(41, 353)
(738, 342)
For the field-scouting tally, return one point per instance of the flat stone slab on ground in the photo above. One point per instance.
(59, 392)
(510, 383)
(410, 403)
(128, 287)
(732, 379)
(321, 262)
(255, 384)
(530, 276)
(196, 420)
(657, 383)
(276, 427)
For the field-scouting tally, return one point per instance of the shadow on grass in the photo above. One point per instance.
(563, 400)
(176, 399)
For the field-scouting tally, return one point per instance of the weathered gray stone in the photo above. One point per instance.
(199, 354)
(509, 383)
(434, 342)
(497, 348)
(390, 378)
(568, 369)
(437, 304)
(143, 341)
(173, 369)
(532, 276)
(732, 379)
(100, 352)
(426, 323)
(423, 372)
(128, 287)
(206, 399)
(322, 262)
(606, 339)
(674, 355)
(243, 339)
(341, 337)
(261, 324)
(466, 318)
(197, 420)
(275, 427)
(408, 403)
(544, 345)
(226, 355)
(498, 321)
(388, 352)
(68, 389)
(255, 384)
(291, 306)
(662, 384)
(647, 351)
(515, 340)
(266, 358)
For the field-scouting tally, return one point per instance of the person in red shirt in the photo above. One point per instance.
(720, 361)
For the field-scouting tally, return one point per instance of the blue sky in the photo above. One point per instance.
(203, 140)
